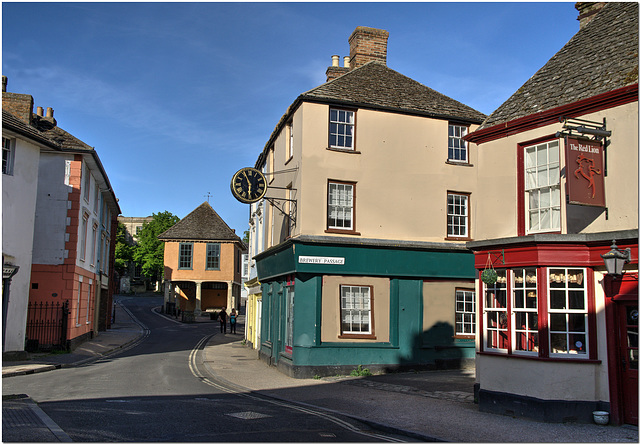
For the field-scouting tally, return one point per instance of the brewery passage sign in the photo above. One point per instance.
(585, 172)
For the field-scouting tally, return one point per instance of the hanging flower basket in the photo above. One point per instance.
(489, 276)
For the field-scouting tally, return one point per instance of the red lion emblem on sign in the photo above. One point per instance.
(588, 163)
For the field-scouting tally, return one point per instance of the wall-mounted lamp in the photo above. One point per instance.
(615, 259)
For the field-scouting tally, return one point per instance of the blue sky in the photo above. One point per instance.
(176, 97)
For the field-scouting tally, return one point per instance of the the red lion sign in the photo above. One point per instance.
(585, 172)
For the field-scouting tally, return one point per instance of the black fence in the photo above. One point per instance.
(47, 326)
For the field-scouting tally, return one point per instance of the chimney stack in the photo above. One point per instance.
(19, 105)
(39, 111)
(366, 45)
(587, 11)
(50, 112)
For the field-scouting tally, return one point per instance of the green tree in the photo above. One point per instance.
(124, 251)
(245, 237)
(149, 252)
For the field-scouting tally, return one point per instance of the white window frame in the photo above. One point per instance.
(342, 129)
(568, 312)
(8, 155)
(355, 309)
(290, 141)
(83, 236)
(457, 215)
(542, 187)
(457, 146)
(340, 206)
(107, 241)
(499, 313)
(465, 318)
(94, 240)
(87, 184)
(525, 281)
(89, 301)
(288, 339)
(78, 301)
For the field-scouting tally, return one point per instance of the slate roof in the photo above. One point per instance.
(202, 224)
(600, 57)
(376, 85)
(63, 138)
(44, 131)
(13, 123)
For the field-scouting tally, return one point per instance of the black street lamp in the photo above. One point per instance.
(615, 259)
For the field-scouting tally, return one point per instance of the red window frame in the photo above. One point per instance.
(543, 318)
(520, 185)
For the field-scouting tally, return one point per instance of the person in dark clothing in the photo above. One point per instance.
(223, 320)
(233, 317)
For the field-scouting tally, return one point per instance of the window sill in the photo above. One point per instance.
(463, 239)
(355, 336)
(538, 358)
(343, 150)
(464, 336)
(337, 231)
(453, 162)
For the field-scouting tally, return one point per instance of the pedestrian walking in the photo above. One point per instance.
(233, 317)
(223, 320)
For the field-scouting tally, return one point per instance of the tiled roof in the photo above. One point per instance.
(375, 85)
(601, 57)
(44, 131)
(63, 138)
(13, 123)
(202, 224)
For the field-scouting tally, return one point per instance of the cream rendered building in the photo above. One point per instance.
(558, 335)
(371, 193)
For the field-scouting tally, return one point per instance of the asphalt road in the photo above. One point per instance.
(157, 391)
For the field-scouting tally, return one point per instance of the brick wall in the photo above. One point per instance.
(20, 105)
(368, 44)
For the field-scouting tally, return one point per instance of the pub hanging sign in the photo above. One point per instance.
(585, 172)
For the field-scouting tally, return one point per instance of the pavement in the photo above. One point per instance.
(426, 405)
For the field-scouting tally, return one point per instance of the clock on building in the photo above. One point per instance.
(248, 185)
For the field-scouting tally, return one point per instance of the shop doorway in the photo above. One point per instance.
(628, 336)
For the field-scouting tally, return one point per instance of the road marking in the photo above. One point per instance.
(344, 424)
(248, 415)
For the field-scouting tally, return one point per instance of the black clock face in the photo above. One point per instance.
(248, 185)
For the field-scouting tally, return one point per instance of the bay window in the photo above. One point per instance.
(541, 312)
(567, 312)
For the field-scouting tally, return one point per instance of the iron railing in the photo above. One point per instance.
(47, 325)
